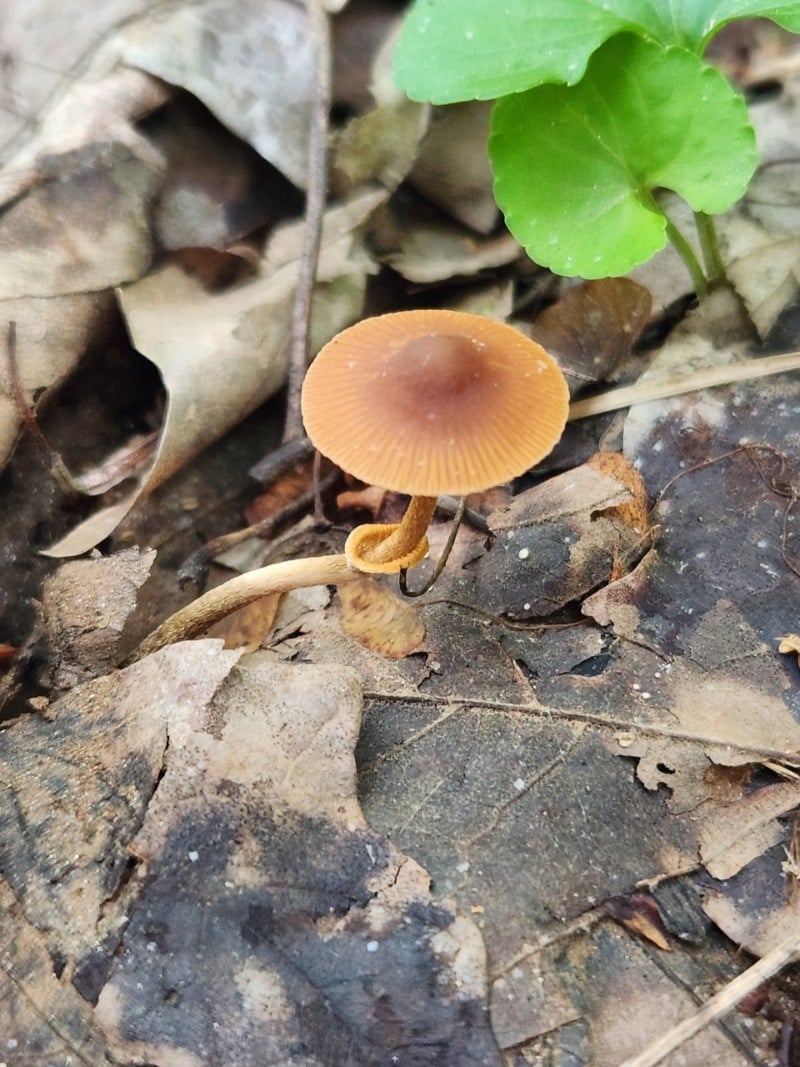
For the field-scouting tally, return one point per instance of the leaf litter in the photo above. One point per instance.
(577, 754)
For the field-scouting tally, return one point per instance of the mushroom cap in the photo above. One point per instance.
(434, 401)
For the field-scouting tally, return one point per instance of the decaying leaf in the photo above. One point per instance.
(381, 145)
(75, 788)
(83, 186)
(424, 246)
(378, 619)
(263, 912)
(66, 34)
(635, 511)
(759, 907)
(640, 913)
(216, 190)
(302, 907)
(764, 270)
(76, 199)
(593, 328)
(558, 541)
(383, 142)
(718, 332)
(740, 831)
(52, 334)
(452, 169)
(46, 1020)
(86, 604)
(789, 643)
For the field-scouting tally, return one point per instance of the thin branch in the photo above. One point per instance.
(677, 384)
(58, 468)
(315, 206)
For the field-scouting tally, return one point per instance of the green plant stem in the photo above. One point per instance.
(685, 251)
(709, 245)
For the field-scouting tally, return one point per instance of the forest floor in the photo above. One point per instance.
(539, 815)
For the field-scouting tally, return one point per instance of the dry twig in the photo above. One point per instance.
(670, 385)
(315, 207)
(720, 1004)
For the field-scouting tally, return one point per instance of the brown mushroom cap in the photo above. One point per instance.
(431, 402)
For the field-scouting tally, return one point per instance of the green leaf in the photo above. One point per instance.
(693, 23)
(453, 50)
(576, 167)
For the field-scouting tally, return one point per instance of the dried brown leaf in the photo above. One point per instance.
(77, 783)
(452, 168)
(272, 910)
(52, 334)
(593, 328)
(378, 619)
(558, 541)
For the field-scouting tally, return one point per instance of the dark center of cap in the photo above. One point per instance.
(438, 376)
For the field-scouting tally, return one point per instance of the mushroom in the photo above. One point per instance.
(430, 402)
(420, 402)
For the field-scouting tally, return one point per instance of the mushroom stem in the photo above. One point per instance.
(408, 533)
(385, 548)
(242, 590)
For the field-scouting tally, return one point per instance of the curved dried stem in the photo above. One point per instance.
(391, 553)
(242, 590)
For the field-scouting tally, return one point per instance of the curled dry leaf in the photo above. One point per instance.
(764, 271)
(640, 913)
(790, 643)
(452, 168)
(52, 334)
(84, 186)
(759, 907)
(216, 189)
(67, 34)
(382, 143)
(425, 247)
(634, 512)
(252, 65)
(222, 354)
(379, 145)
